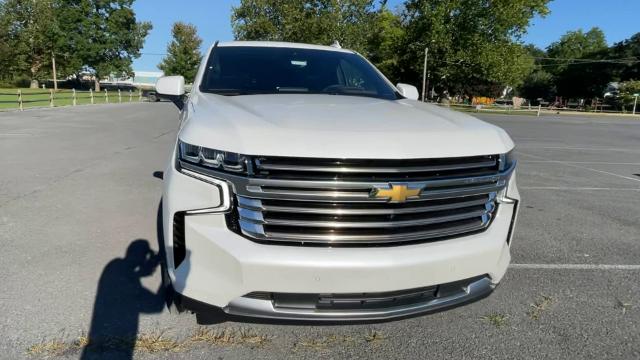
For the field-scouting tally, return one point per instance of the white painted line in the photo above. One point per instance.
(576, 162)
(575, 148)
(563, 188)
(583, 167)
(604, 172)
(574, 267)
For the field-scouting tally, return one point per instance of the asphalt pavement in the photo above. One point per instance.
(77, 188)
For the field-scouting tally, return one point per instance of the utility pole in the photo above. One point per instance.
(55, 75)
(635, 102)
(428, 78)
(424, 74)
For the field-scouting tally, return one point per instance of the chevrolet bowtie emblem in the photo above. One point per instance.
(396, 193)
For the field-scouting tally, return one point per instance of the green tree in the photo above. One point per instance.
(473, 46)
(537, 85)
(307, 21)
(183, 52)
(628, 91)
(536, 53)
(103, 35)
(6, 55)
(575, 45)
(579, 64)
(32, 36)
(628, 51)
(383, 42)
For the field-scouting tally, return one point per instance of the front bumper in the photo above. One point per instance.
(221, 267)
(266, 308)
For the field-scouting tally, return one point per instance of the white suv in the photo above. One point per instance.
(305, 186)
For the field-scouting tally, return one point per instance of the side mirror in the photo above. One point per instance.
(408, 91)
(171, 88)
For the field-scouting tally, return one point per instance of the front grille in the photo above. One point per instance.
(372, 170)
(334, 203)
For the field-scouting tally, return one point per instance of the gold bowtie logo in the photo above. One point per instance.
(397, 193)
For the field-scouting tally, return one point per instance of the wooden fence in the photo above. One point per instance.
(72, 97)
(534, 110)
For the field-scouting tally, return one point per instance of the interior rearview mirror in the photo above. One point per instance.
(408, 91)
(171, 88)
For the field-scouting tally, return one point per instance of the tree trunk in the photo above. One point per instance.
(96, 82)
(35, 66)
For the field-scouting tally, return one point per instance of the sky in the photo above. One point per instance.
(618, 19)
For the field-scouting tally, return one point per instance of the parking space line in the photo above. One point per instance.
(567, 188)
(576, 148)
(582, 167)
(575, 266)
(577, 162)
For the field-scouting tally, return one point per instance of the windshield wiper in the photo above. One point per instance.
(227, 92)
(347, 90)
(237, 92)
(292, 89)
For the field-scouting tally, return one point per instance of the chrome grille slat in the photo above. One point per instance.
(258, 205)
(332, 196)
(349, 170)
(363, 169)
(327, 195)
(365, 239)
(369, 224)
(367, 185)
(300, 201)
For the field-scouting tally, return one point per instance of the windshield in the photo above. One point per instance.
(248, 70)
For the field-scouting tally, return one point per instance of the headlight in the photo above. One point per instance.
(212, 159)
(507, 160)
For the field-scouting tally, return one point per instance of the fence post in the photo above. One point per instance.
(539, 109)
(74, 96)
(130, 95)
(20, 100)
(106, 96)
(91, 95)
(139, 94)
(50, 97)
(119, 96)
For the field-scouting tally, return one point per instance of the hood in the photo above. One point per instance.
(332, 126)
